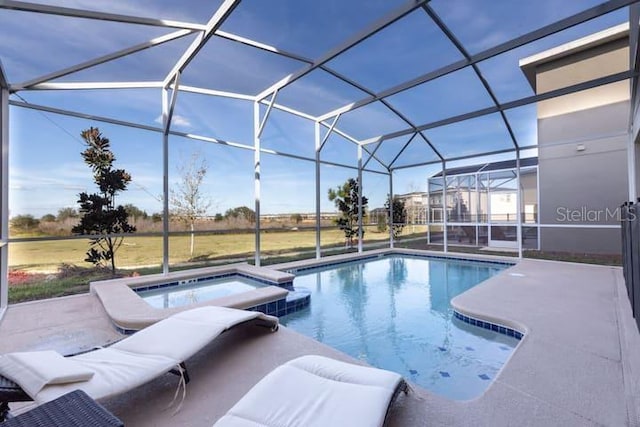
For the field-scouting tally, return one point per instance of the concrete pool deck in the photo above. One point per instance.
(574, 366)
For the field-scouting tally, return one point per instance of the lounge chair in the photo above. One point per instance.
(136, 360)
(315, 391)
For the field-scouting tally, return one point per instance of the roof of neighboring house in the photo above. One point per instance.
(485, 167)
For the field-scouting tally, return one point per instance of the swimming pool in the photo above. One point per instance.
(198, 291)
(394, 313)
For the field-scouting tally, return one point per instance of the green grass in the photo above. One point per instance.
(137, 252)
(46, 256)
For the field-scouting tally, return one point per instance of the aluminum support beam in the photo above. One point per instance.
(404, 147)
(391, 239)
(328, 134)
(435, 150)
(214, 23)
(532, 36)
(317, 164)
(172, 105)
(4, 192)
(372, 155)
(102, 16)
(263, 123)
(444, 207)
(519, 201)
(256, 174)
(631, 167)
(429, 218)
(262, 46)
(95, 85)
(361, 36)
(360, 234)
(70, 113)
(291, 110)
(102, 59)
(353, 140)
(165, 181)
(220, 93)
(634, 119)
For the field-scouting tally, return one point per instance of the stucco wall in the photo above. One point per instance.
(582, 151)
(593, 241)
(583, 177)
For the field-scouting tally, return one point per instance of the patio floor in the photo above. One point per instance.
(573, 368)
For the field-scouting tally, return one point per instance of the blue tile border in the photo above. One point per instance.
(296, 300)
(504, 330)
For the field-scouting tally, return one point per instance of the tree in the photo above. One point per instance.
(345, 198)
(399, 214)
(65, 213)
(48, 218)
(100, 216)
(135, 212)
(297, 218)
(242, 212)
(24, 223)
(187, 201)
(381, 225)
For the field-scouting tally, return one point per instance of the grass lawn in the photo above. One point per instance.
(47, 256)
(47, 269)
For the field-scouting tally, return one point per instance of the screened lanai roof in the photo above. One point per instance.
(412, 82)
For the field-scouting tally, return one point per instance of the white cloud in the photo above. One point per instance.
(176, 120)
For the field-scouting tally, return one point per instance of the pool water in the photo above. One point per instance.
(394, 313)
(176, 296)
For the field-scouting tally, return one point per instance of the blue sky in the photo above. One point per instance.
(47, 172)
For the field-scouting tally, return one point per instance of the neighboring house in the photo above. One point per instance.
(481, 204)
(378, 216)
(415, 204)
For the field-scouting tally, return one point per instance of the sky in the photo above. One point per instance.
(47, 172)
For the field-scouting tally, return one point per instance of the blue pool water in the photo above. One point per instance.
(394, 313)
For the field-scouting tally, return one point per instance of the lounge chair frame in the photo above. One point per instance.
(10, 391)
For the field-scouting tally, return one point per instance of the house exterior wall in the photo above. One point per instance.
(582, 150)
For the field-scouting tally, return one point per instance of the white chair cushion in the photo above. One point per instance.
(115, 372)
(314, 391)
(36, 369)
(183, 334)
(347, 372)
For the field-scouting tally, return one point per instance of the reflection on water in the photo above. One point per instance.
(394, 313)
